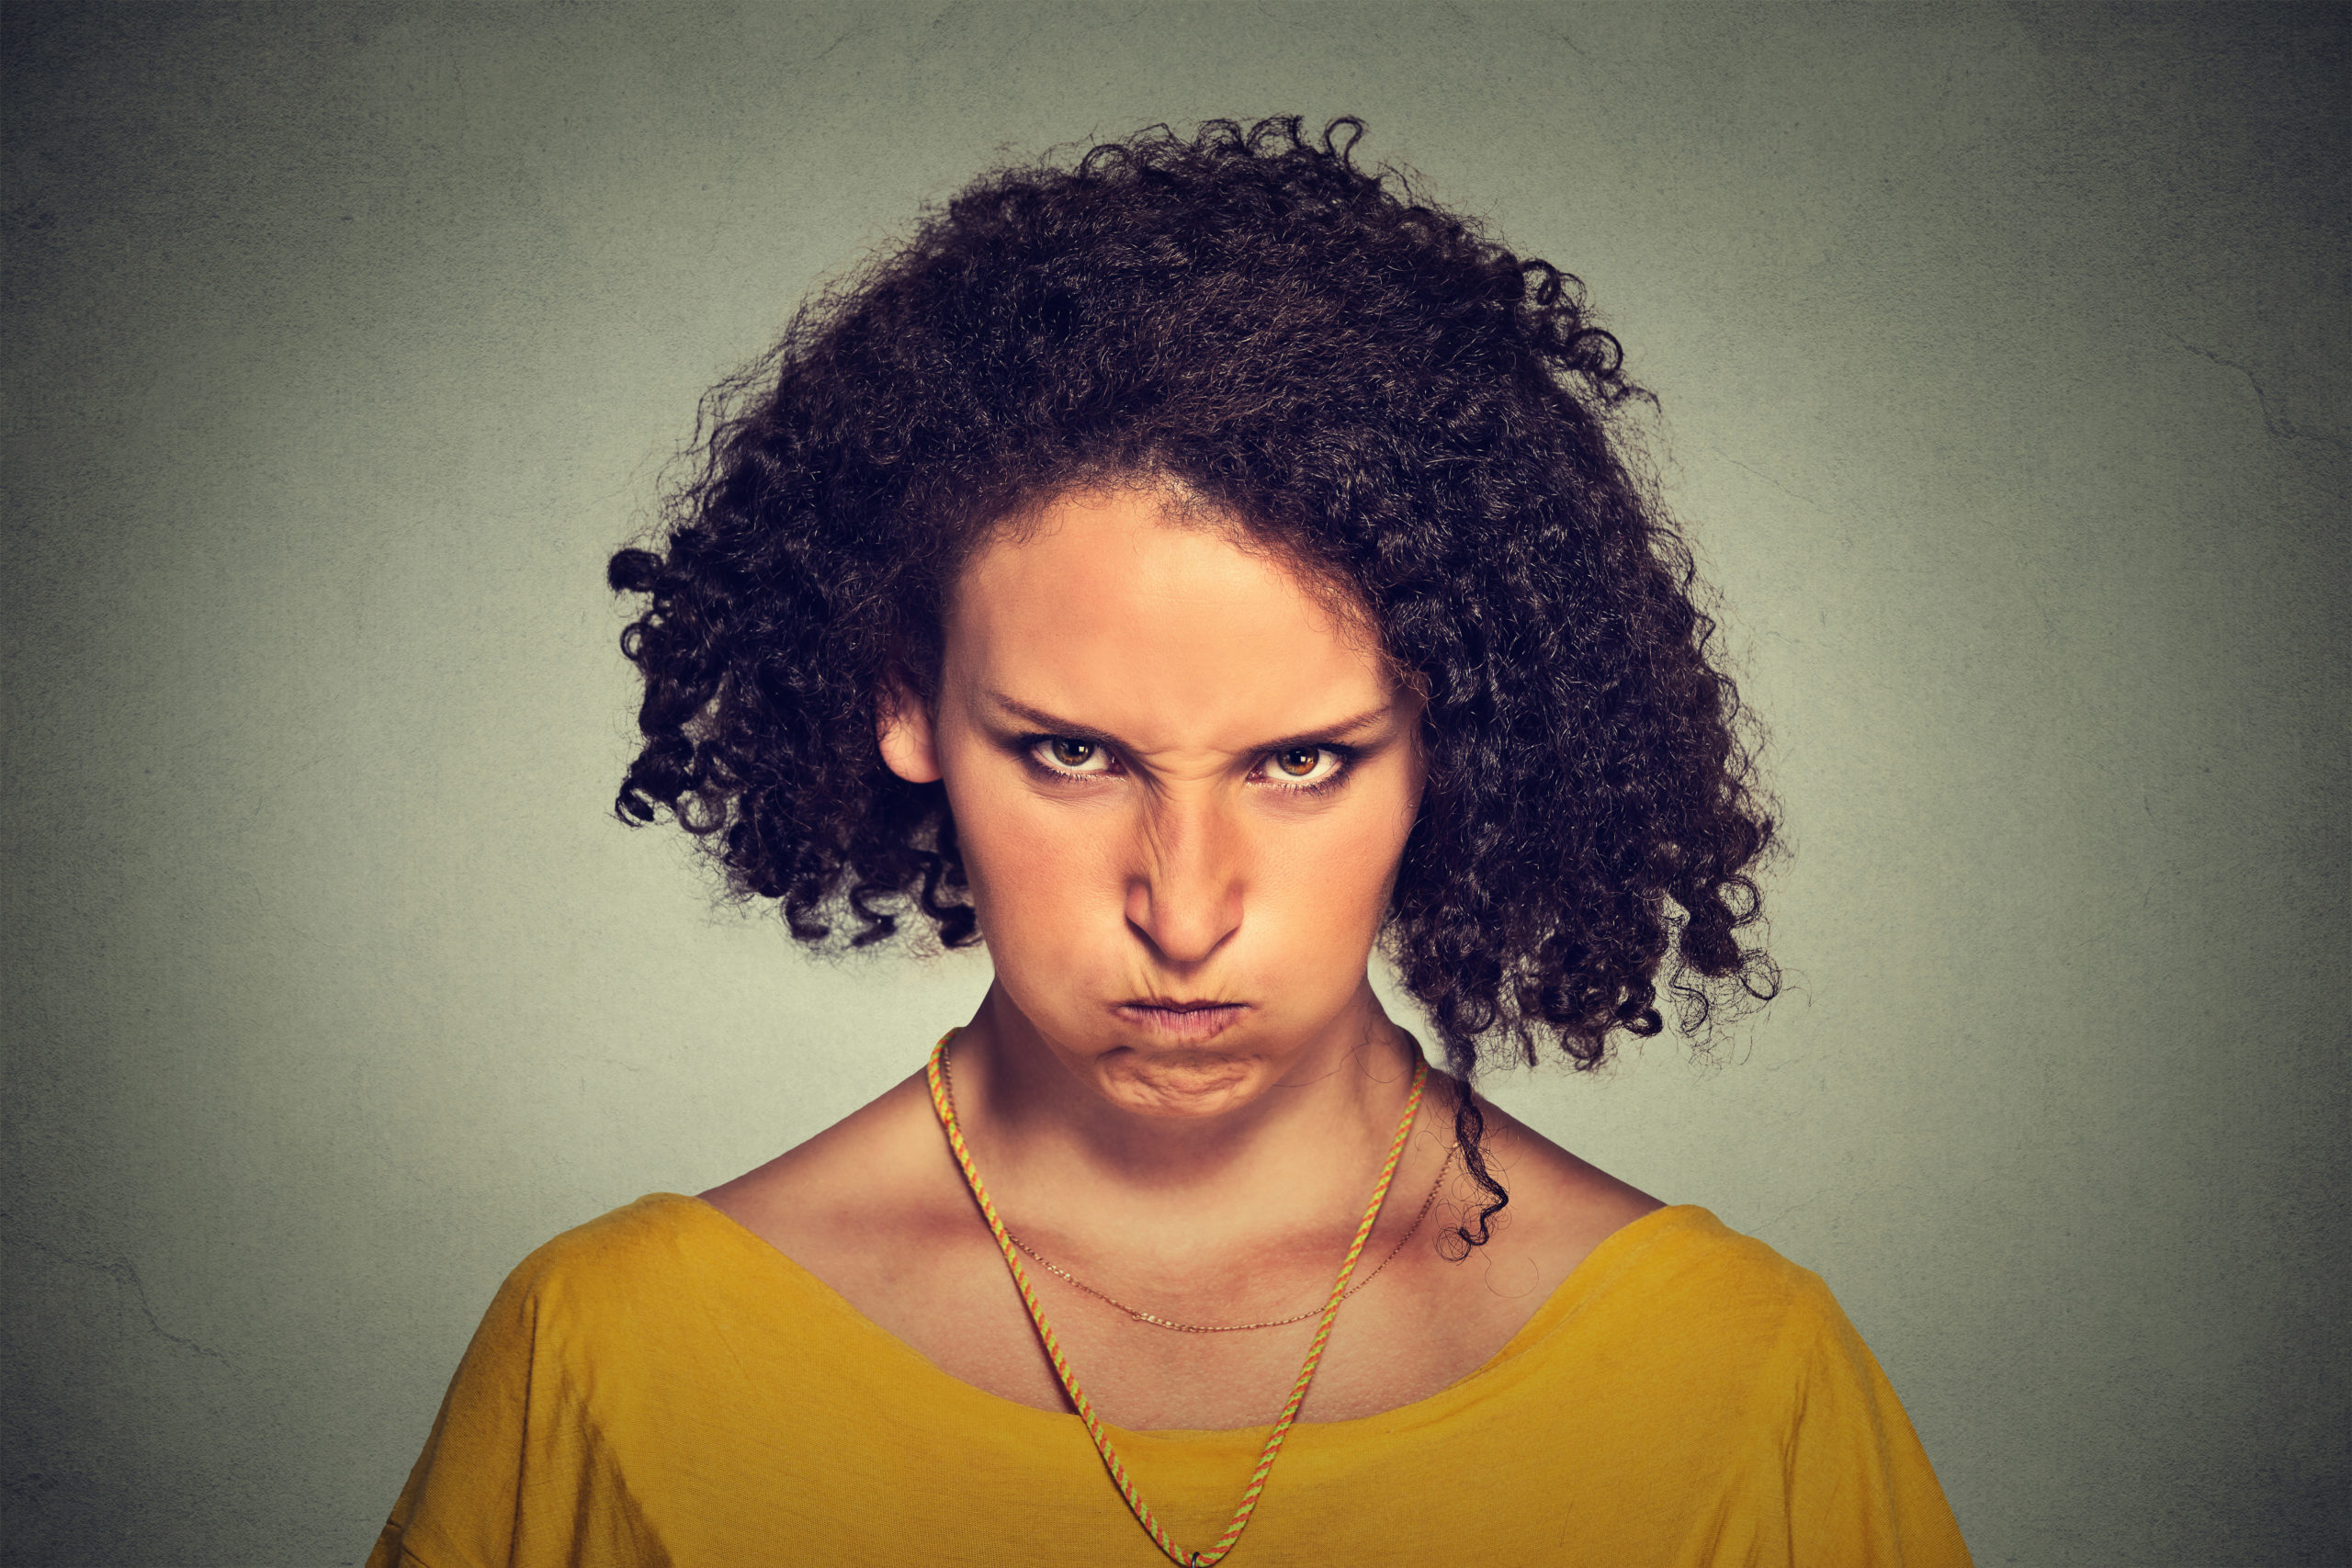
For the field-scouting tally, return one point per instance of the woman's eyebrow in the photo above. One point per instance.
(1054, 724)
(1356, 724)
(1039, 718)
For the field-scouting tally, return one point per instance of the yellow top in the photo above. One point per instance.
(661, 1386)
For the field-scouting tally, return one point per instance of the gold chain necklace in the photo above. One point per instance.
(1159, 1322)
(936, 1076)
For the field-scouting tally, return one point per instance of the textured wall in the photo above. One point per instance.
(2004, 356)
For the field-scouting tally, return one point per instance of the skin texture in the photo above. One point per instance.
(1182, 778)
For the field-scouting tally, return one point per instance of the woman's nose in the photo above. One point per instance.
(1184, 893)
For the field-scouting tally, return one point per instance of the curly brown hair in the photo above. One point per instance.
(1364, 381)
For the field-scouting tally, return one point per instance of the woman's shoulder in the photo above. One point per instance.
(635, 1253)
(1691, 1246)
(1608, 1242)
(1684, 1258)
(876, 1180)
(648, 1228)
(656, 1289)
(1679, 1291)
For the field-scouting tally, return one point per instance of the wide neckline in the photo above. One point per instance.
(1546, 1319)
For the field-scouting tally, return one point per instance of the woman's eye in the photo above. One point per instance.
(1068, 756)
(1302, 767)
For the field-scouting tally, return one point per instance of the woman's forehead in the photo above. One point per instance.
(1116, 612)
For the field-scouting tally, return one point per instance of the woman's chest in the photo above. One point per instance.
(1419, 1327)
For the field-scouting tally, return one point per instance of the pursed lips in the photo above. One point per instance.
(1188, 1021)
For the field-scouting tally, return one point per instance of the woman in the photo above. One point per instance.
(1188, 571)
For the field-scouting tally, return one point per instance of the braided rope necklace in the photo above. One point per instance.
(935, 1074)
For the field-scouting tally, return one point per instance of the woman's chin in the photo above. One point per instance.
(1165, 1078)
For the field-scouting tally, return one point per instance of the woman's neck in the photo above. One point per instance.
(1296, 1156)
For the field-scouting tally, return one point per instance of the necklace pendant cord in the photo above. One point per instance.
(1120, 1477)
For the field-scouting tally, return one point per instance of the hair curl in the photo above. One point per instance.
(1359, 377)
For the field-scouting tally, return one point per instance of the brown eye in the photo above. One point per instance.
(1304, 768)
(1071, 753)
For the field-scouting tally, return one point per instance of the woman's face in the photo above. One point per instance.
(1181, 787)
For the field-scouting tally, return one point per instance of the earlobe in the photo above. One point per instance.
(903, 729)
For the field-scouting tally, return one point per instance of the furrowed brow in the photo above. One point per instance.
(1055, 723)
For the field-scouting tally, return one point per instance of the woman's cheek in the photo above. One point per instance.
(1032, 863)
(1356, 850)
(1313, 909)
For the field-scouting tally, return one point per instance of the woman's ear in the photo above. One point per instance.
(903, 728)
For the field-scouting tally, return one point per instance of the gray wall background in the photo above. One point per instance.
(2004, 357)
